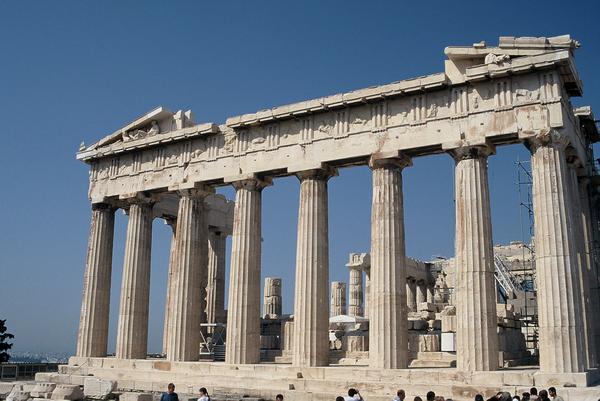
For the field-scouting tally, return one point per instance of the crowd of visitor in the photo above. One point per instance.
(354, 395)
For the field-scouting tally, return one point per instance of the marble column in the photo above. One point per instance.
(215, 288)
(579, 237)
(338, 298)
(132, 331)
(594, 295)
(367, 296)
(355, 304)
(311, 320)
(187, 297)
(475, 292)
(430, 294)
(272, 298)
(92, 337)
(411, 294)
(171, 222)
(243, 321)
(560, 341)
(388, 337)
(421, 292)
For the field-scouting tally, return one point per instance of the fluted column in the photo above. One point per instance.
(355, 304)
(338, 298)
(243, 320)
(588, 240)
(187, 297)
(367, 297)
(559, 311)
(579, 237)
(92, 337)
(430, 294)
(311, 343)
(132, 332)
(421, 292)
(215, 288)
(171, 222)
(388, 337)
(411, 294)
(272, 298)
(476, 334)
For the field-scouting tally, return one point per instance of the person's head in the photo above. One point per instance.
(543, 394)
(525, 396)
(478, 397)
(417, 398)
(171, 388)
(279, 397)
(203, 391)
(401, 394)
(430, 396)
(439, 398)
(533, 391)
(516, 398)
(552, 392)
(339, 398)
(352, 392)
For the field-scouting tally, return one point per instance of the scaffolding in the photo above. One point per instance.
(526, 274)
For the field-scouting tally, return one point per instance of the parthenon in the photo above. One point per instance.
(165, 165)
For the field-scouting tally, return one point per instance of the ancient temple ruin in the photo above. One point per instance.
(165, 165)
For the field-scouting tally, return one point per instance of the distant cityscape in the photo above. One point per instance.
(39, 357)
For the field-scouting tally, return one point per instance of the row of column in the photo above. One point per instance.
(562, 259)
(195, 284)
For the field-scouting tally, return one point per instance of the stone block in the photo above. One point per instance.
(135, 397)
(18, 395)
(418, 324)
(448, 324)
(6, 388)
(426, 306)
(449, 310)
(98, 388)
(435, 324)
(357, 343)
(67, 392)
(429, 343)
(448, 342)
(43, 390)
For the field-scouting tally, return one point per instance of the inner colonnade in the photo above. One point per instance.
(517, 92)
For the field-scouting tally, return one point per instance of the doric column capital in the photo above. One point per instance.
(196, 193)
(253, 183)
(389, 159)
(103, 206)
(324, 173)
(471, 151)
(549, 137)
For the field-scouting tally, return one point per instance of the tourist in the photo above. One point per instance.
(553, 395)
(417, 398)
(478, 397)
(533, 394)
(516, 398)
(339, 398)
(525, 396)
(438, 398)
(543, 396)
(400, 395)
(170, 395)
(353, 394)
(203, 394)
(430, 396)
(279, 397)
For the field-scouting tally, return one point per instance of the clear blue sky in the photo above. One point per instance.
(73, 71)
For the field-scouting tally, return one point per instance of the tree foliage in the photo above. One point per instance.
(4, 344)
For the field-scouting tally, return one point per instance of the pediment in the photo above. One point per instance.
(156, 122)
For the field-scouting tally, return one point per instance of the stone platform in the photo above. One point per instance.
(317, 384)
